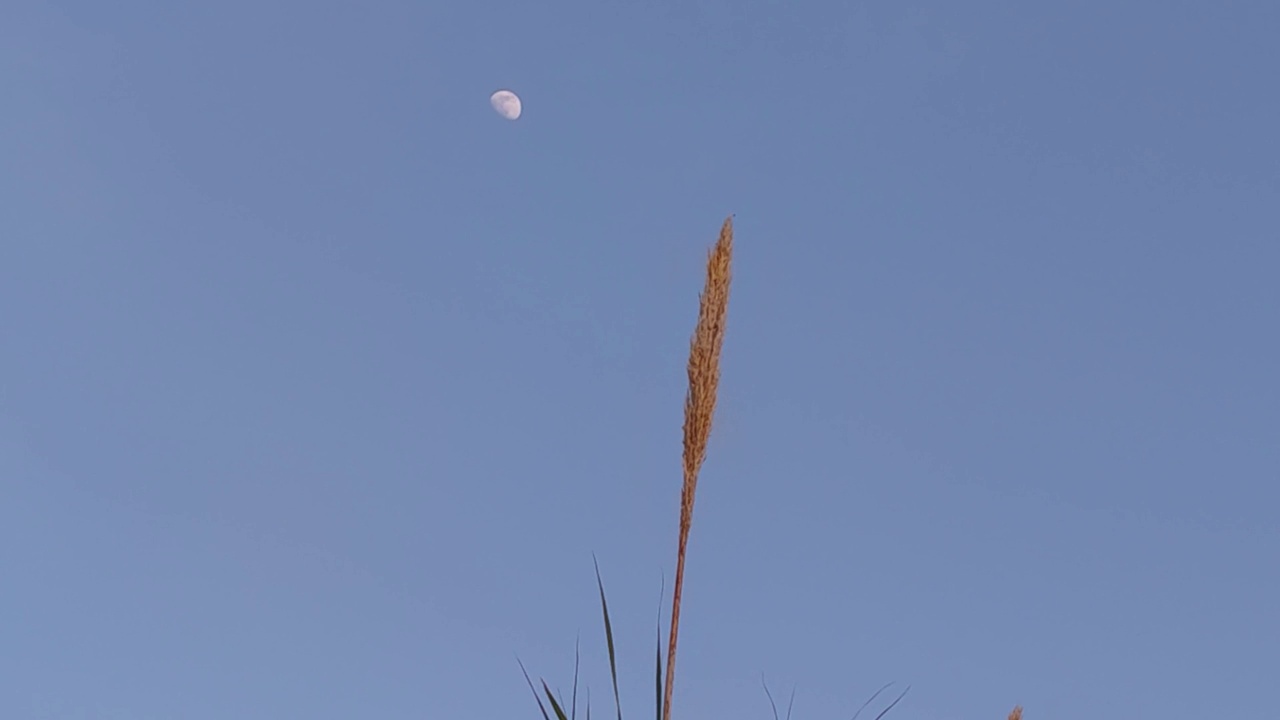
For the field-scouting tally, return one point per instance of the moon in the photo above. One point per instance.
(506, 103)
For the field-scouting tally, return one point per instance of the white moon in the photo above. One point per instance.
(506, 103)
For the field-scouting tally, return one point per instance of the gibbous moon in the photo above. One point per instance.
(506, 103)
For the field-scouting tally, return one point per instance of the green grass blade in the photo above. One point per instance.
(772, 706)
(573, 710)
(895, 702)
(872, 699)
(657, 705)
(658, 683)
(541, 707)
(608, 636)
(555, 706)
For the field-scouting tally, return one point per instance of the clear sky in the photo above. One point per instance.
(320, 382)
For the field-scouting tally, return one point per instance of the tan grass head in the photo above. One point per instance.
(699, 411)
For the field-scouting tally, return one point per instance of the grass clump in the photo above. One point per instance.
(699, 412)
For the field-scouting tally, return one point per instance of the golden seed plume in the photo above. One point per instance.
(699, 410)
(1016, 714)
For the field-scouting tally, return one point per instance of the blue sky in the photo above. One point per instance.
(320, 383)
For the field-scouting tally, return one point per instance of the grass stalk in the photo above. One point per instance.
(699, 411)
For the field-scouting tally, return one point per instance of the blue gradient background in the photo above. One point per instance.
(320, 382)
